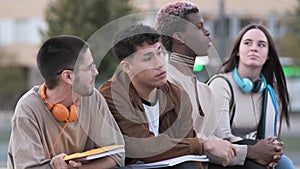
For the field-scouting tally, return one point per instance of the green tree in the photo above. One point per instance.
(289, 44)
(83, 19)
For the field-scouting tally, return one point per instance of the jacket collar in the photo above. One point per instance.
(166, 102)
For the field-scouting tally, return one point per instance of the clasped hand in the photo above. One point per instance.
(266, 152)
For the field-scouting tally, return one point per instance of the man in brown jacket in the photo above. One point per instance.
(153, 114)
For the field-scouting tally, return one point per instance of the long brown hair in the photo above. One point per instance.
(271, 69)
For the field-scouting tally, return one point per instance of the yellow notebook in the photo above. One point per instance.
(95, 153)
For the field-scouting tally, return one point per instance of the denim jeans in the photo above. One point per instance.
(285, 163)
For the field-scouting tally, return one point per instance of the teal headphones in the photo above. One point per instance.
(246, 85)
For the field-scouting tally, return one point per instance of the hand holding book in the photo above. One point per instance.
(95, 153)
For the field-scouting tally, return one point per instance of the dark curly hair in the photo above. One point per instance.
(126, 41)
(170, 19)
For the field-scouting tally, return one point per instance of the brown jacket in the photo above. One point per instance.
(176, 137)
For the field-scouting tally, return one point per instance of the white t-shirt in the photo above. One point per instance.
(152, 112)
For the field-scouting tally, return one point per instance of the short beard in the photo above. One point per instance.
(80, 88)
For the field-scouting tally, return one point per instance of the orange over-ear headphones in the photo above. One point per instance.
(59, 111)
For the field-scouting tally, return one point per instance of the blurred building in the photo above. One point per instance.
(236, 14)
(20, 38)
(21, 22)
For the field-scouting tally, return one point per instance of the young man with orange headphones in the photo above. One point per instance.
(64, 115)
